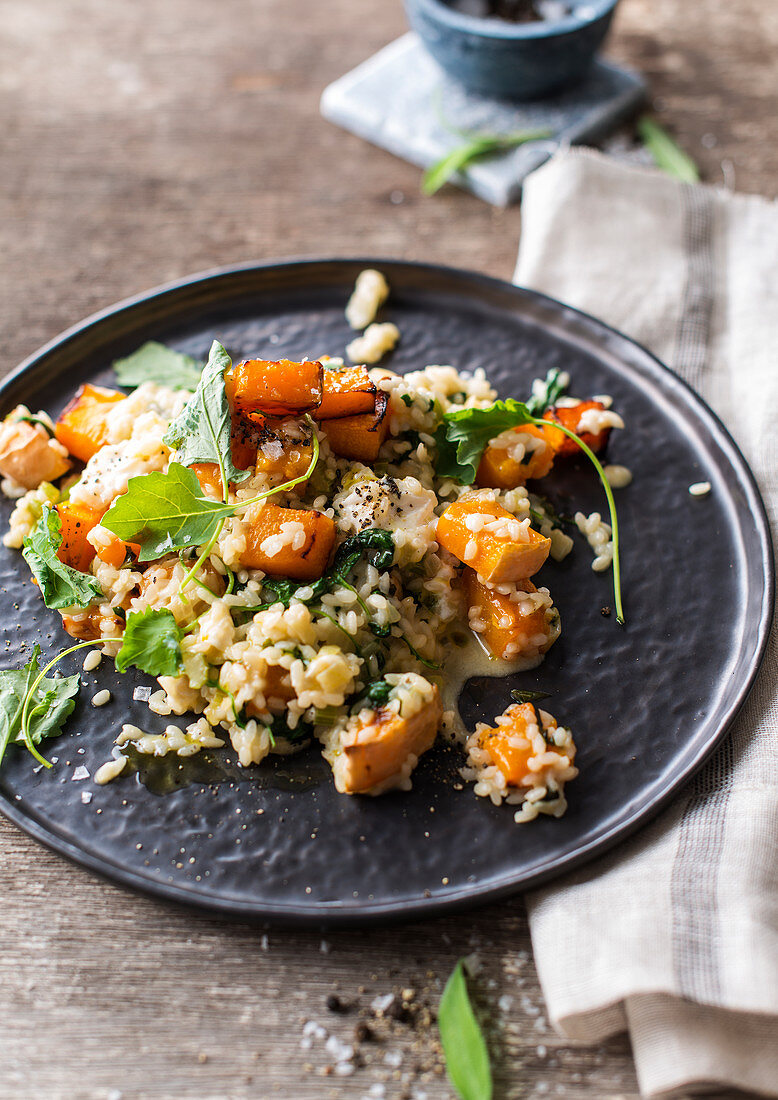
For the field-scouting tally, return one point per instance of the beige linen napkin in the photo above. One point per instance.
(674, 936)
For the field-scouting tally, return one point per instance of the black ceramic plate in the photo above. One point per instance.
(647, 703)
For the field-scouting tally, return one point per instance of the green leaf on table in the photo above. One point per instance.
(666, 153)
(474, 148)
(49, 707)
(463, 434)
(203, 431)
(152, 643)
(154, 362)
(467, 1059)
(547, 394)
(165, 512)
(61, 586)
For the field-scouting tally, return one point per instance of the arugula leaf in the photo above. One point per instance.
(203, 431)
(467, 1059)
(152, 643)
(666, 153)
(60, 585)
(164, 512)
(474, 148)
(464, 433)
(50, 704)
(154, 362)
(552, 389)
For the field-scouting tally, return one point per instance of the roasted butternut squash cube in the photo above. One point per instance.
(274, 388)
(373, 753)
(360, 437)
(77, 521)
(287, 542)
(282, 456)
(86, 626)
(507, 633)
(82, 427)
(485, 536)
(346, 392)
(114, 551)
(499, 468)
(244, 440)
(570, 417)
(509, 745)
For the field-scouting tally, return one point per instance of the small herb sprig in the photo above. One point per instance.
(475, 147)
(463, 435)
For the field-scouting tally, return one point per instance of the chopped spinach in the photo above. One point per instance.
(378, 692)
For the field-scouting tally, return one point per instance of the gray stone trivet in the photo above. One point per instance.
(391, 99)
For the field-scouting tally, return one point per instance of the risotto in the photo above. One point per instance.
(313, 552)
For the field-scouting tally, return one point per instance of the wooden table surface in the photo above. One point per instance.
(143, 141)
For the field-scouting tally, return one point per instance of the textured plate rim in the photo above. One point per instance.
(347, 914)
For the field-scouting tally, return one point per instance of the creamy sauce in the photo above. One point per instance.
(465, 661)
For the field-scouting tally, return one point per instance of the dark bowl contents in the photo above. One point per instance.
(515, 11)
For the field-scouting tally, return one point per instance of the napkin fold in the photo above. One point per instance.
(674, 935)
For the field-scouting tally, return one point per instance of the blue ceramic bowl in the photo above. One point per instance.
(512, 60)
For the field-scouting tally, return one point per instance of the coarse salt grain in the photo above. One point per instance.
(80, 773)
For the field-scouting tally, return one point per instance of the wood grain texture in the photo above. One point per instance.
(144, 141)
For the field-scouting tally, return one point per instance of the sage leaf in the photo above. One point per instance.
(61, 586)
(50, 705)
(467, 1059)
(203, 431)
(154, 362)
(666, 153)
(152, 643)
(165, 512)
